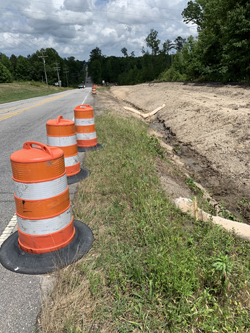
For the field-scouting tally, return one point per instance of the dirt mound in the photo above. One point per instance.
(209, 127)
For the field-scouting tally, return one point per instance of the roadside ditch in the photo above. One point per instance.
(199, 169)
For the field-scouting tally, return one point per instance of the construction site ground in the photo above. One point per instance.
(205, 131)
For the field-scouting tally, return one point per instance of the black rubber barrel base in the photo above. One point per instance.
(98, 146)
(16, 260)
(83, 174)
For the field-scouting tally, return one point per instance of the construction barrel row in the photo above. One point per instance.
(94, 87)
(41, 191)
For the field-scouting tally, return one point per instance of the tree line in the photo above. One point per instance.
(221, 52)
(126, 69)
(71, 71)
(129, 69)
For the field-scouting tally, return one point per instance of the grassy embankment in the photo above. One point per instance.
(10, 92)
(151, 267)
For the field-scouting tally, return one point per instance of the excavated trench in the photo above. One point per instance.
(221, 188)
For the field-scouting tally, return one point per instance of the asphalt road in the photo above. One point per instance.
(20, 295)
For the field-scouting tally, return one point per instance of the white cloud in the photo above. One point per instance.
(75, 27)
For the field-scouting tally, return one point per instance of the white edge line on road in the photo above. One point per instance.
(82, 103)
(85, 97)
(8, 230)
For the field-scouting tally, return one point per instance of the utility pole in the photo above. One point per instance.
(43, 56)
(66, 72)
(57, 69)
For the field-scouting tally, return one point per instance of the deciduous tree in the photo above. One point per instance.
(194, 13)
(6, 62)
(153, 42)
(167, 46)
(95, 54)
(22, 69)
(124, 51)
(179, 43)
(5, 75)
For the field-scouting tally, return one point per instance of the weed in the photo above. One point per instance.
(193, 187)
(153, 144)
(36, 84)
(202, 203)
(244, 202)
(243, 206)
(176, 149)
(226, 214)
(222, 267)
(95, 283)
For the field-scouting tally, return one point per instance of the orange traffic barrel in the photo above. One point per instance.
(85, 128)
(45, 224)
(94, 90)
(61, 133)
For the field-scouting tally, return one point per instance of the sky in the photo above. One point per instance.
(76, 27)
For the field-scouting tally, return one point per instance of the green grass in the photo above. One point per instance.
(199, 194)
(10, 92)
(223, 212)
(243, 206)
(151, 267)
(103, 88)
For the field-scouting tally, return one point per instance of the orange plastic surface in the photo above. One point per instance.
(70, 150)
(85, 129)
(60, 122)
(41, 209)
(46, 243)
(83, 114)
(73, 169)
(87, 143)
(35, 152)
(62, 130)
(35, 172)
(83, 107)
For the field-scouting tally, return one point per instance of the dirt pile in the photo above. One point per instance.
(208, 126)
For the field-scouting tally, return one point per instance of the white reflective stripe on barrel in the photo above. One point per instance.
(43, 190)
(85, 136)
(45, 226)
(62, 141)
(71, 160)
(85, 122)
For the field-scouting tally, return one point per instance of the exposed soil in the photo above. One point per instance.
(208, 128)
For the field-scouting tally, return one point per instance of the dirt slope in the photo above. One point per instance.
(209, 126)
